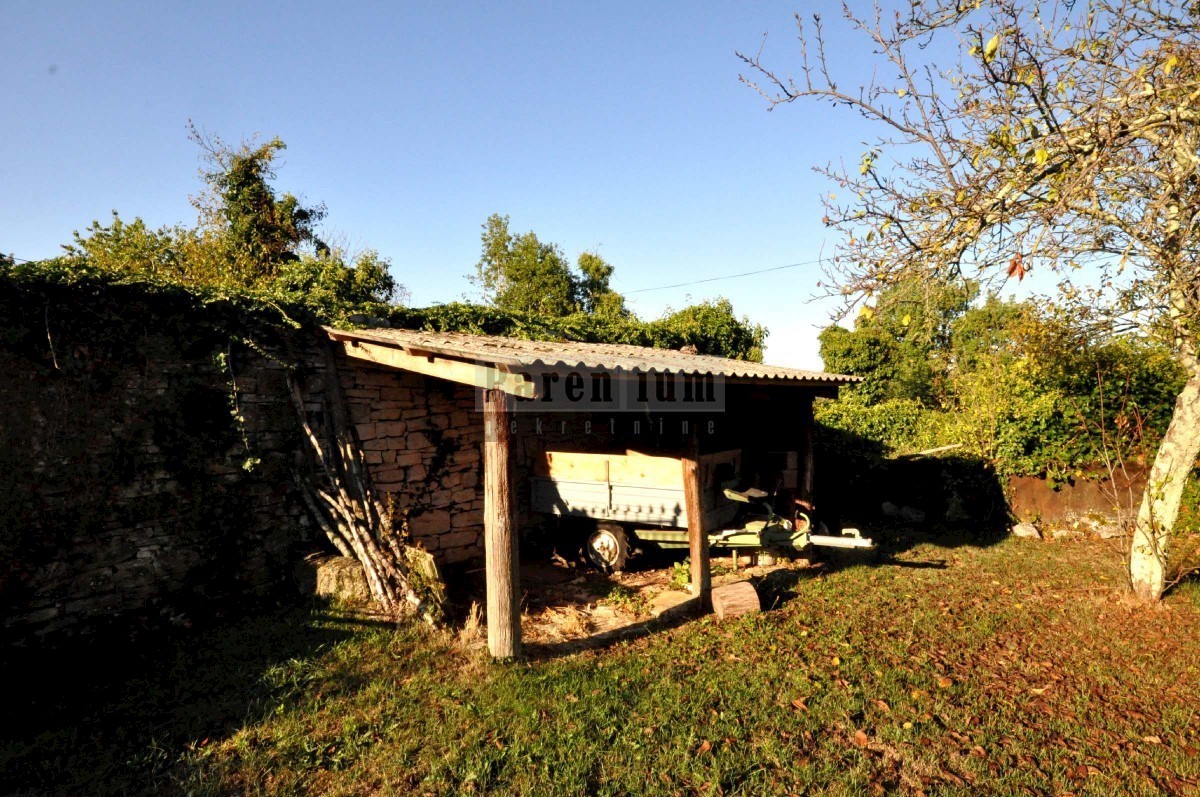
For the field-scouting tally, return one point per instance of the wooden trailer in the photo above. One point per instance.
(632, 497)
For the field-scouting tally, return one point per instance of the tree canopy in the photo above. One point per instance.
(247, 238)
(251, 240)
(1061, 136)
(523, 274)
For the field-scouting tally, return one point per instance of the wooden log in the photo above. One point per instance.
(499, 530)
(732, 600)
(697, 534)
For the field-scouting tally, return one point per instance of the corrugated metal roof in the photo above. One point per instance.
(518, 354)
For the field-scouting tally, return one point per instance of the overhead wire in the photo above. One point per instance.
(727, 276)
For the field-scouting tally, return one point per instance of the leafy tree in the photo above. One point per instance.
(260, 230)
(334, 289)
(247, 239)
(595, 293)
(1066, 136)
(713, 328)
(522, 274)
(131, 248)
(868, 352)
(900, 344)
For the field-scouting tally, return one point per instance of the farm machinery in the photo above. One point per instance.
(623, 500)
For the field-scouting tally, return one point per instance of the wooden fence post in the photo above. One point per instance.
(697, 534)
(499, 530)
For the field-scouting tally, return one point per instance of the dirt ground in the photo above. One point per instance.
(570, 607)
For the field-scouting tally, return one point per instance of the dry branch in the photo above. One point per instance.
(341, 501)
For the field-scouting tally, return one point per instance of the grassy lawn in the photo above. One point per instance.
(1014, 669)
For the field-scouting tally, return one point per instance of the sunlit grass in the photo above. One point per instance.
(1019, 668)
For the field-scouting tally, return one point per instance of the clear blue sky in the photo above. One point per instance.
(617, 126)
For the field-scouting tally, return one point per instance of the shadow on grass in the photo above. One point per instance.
(949, 501)
(112, 717)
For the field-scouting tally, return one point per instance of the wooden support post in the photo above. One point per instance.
(499, 530)
(697, 534)
(804, 479)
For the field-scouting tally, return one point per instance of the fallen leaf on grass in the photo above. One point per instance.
(860, 738)
(799, 705)
(1039, 691)
(944, 682)
(1151, 740)
(705, 746)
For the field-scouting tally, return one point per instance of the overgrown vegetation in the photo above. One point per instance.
(1010, 669)
(1020, 385)
(252, 244)
(1019, 135)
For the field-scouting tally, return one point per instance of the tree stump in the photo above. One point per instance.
(732, 600)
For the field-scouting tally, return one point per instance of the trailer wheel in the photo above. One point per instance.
(607, 547)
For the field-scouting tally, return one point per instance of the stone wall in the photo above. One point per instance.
(422, 440)
(147, 455)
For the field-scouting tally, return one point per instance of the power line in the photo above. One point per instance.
(727, 277)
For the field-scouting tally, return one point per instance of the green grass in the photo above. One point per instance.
(1014, 669)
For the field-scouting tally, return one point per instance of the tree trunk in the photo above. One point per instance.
(1173, 463)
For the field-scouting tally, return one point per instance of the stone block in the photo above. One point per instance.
(391, 428)
(459, 539)
(339, 578)
(455, 555)
(398, 394)
(408, 458)
(370, 393)
(387, 474)
(430, 523)
(465, 496)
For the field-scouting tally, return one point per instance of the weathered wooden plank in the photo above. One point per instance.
(460, 371)
(499, 530)
(697, 534)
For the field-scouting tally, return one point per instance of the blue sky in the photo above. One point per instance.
(616, 126)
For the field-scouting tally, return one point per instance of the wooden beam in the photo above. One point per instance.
(697, 533)
(460, 371)
(499, 530)
(804, 479)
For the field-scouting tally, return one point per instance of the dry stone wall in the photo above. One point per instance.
(147, 455)
(422, 440)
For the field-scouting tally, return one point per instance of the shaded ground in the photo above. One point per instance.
(1020, 668)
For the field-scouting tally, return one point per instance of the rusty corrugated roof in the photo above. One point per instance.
(518, 354)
